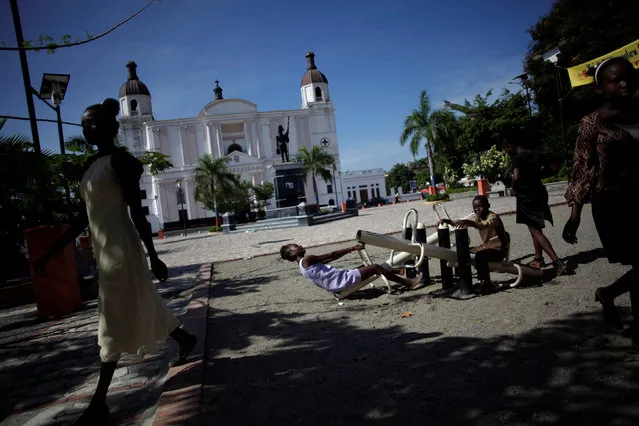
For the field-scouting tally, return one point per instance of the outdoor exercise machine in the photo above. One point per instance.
(413, 251)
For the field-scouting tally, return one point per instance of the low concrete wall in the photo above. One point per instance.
(550, 187)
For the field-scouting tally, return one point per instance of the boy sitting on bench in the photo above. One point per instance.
(495, 240)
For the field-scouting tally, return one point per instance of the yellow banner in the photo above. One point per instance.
(579, 75)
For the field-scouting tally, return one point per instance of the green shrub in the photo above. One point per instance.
(215, 228)
(438, 197)
(463, 189)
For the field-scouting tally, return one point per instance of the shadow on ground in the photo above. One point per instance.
(570, 371)
(53, 364)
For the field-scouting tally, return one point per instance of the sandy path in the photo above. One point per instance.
(283, 352)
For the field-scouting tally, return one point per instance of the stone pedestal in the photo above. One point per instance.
(289, 184)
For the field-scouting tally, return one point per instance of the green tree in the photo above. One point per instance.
(583, 30)
(399, 175)
(492, 164)
(424, 124)
(316, 162)
(28, 197)
(157, 162)
(484, 123)
(213, 180)
(262, 193)
(78, 145)
(237, 200)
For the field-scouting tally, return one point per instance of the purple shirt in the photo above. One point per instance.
(329, 278)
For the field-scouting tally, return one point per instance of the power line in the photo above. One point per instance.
(77, 43)
(13, 117)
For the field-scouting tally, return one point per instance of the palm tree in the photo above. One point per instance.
(213, 179)
(423, 123)
(28, 197)
(316, 162)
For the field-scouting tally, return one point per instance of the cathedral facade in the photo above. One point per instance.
(233, 129)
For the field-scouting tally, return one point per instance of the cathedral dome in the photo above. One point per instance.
(133, 86)
(312, 74)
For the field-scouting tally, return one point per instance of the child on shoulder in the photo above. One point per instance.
(316, 269)
(495, 240)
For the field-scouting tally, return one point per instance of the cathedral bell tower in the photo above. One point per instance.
(314, 87)
(135, 98)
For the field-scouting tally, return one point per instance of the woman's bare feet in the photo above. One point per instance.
(411, 283)
(610, 314)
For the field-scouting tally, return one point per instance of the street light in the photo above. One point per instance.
(553, 55)
(180, 201)
(523, 78)
(53, 88)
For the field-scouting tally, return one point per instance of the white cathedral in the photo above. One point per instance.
(227, 128)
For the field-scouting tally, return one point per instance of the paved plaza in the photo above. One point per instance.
(49, 368)
(202, 247)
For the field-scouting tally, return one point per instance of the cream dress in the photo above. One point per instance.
(132, 318)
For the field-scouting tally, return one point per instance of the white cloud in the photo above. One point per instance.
(479, 77)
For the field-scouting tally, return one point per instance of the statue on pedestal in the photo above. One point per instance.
(282, 141)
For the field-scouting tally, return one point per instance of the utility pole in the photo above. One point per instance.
(25, 76)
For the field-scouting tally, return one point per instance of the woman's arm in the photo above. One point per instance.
(330, 257)
(129, 169)
(583, 175)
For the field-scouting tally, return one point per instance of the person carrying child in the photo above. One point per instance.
(495, 240)
(316, 269)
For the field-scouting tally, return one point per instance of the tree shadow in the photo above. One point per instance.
(55, 362)
(228, 287)
(328, 372)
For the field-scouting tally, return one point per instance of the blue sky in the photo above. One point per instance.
(376, 54)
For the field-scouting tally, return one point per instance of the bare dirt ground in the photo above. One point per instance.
(284, 352)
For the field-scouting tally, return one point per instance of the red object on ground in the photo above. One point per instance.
(343, 207)
(57, 293)
(482, 187)
(432, 190)
(161, 234)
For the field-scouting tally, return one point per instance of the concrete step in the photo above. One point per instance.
(281, 223)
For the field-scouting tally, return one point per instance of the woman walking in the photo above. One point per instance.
(132, 318)
(605, 173)
(532, 198)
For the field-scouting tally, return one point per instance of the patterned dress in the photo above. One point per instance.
(605, 173)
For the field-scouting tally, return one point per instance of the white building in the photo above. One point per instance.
(229, 128)
(363, 185)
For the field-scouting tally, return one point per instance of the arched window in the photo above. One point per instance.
(234, 147)
(318, 94)
(134, 107)
(331, 202)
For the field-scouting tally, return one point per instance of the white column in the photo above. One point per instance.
(218, 137)
(187, 197)
(248, 136)
(150, 139)
(158, 202)
(182, 144)
(258, 137)
(209, 138)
